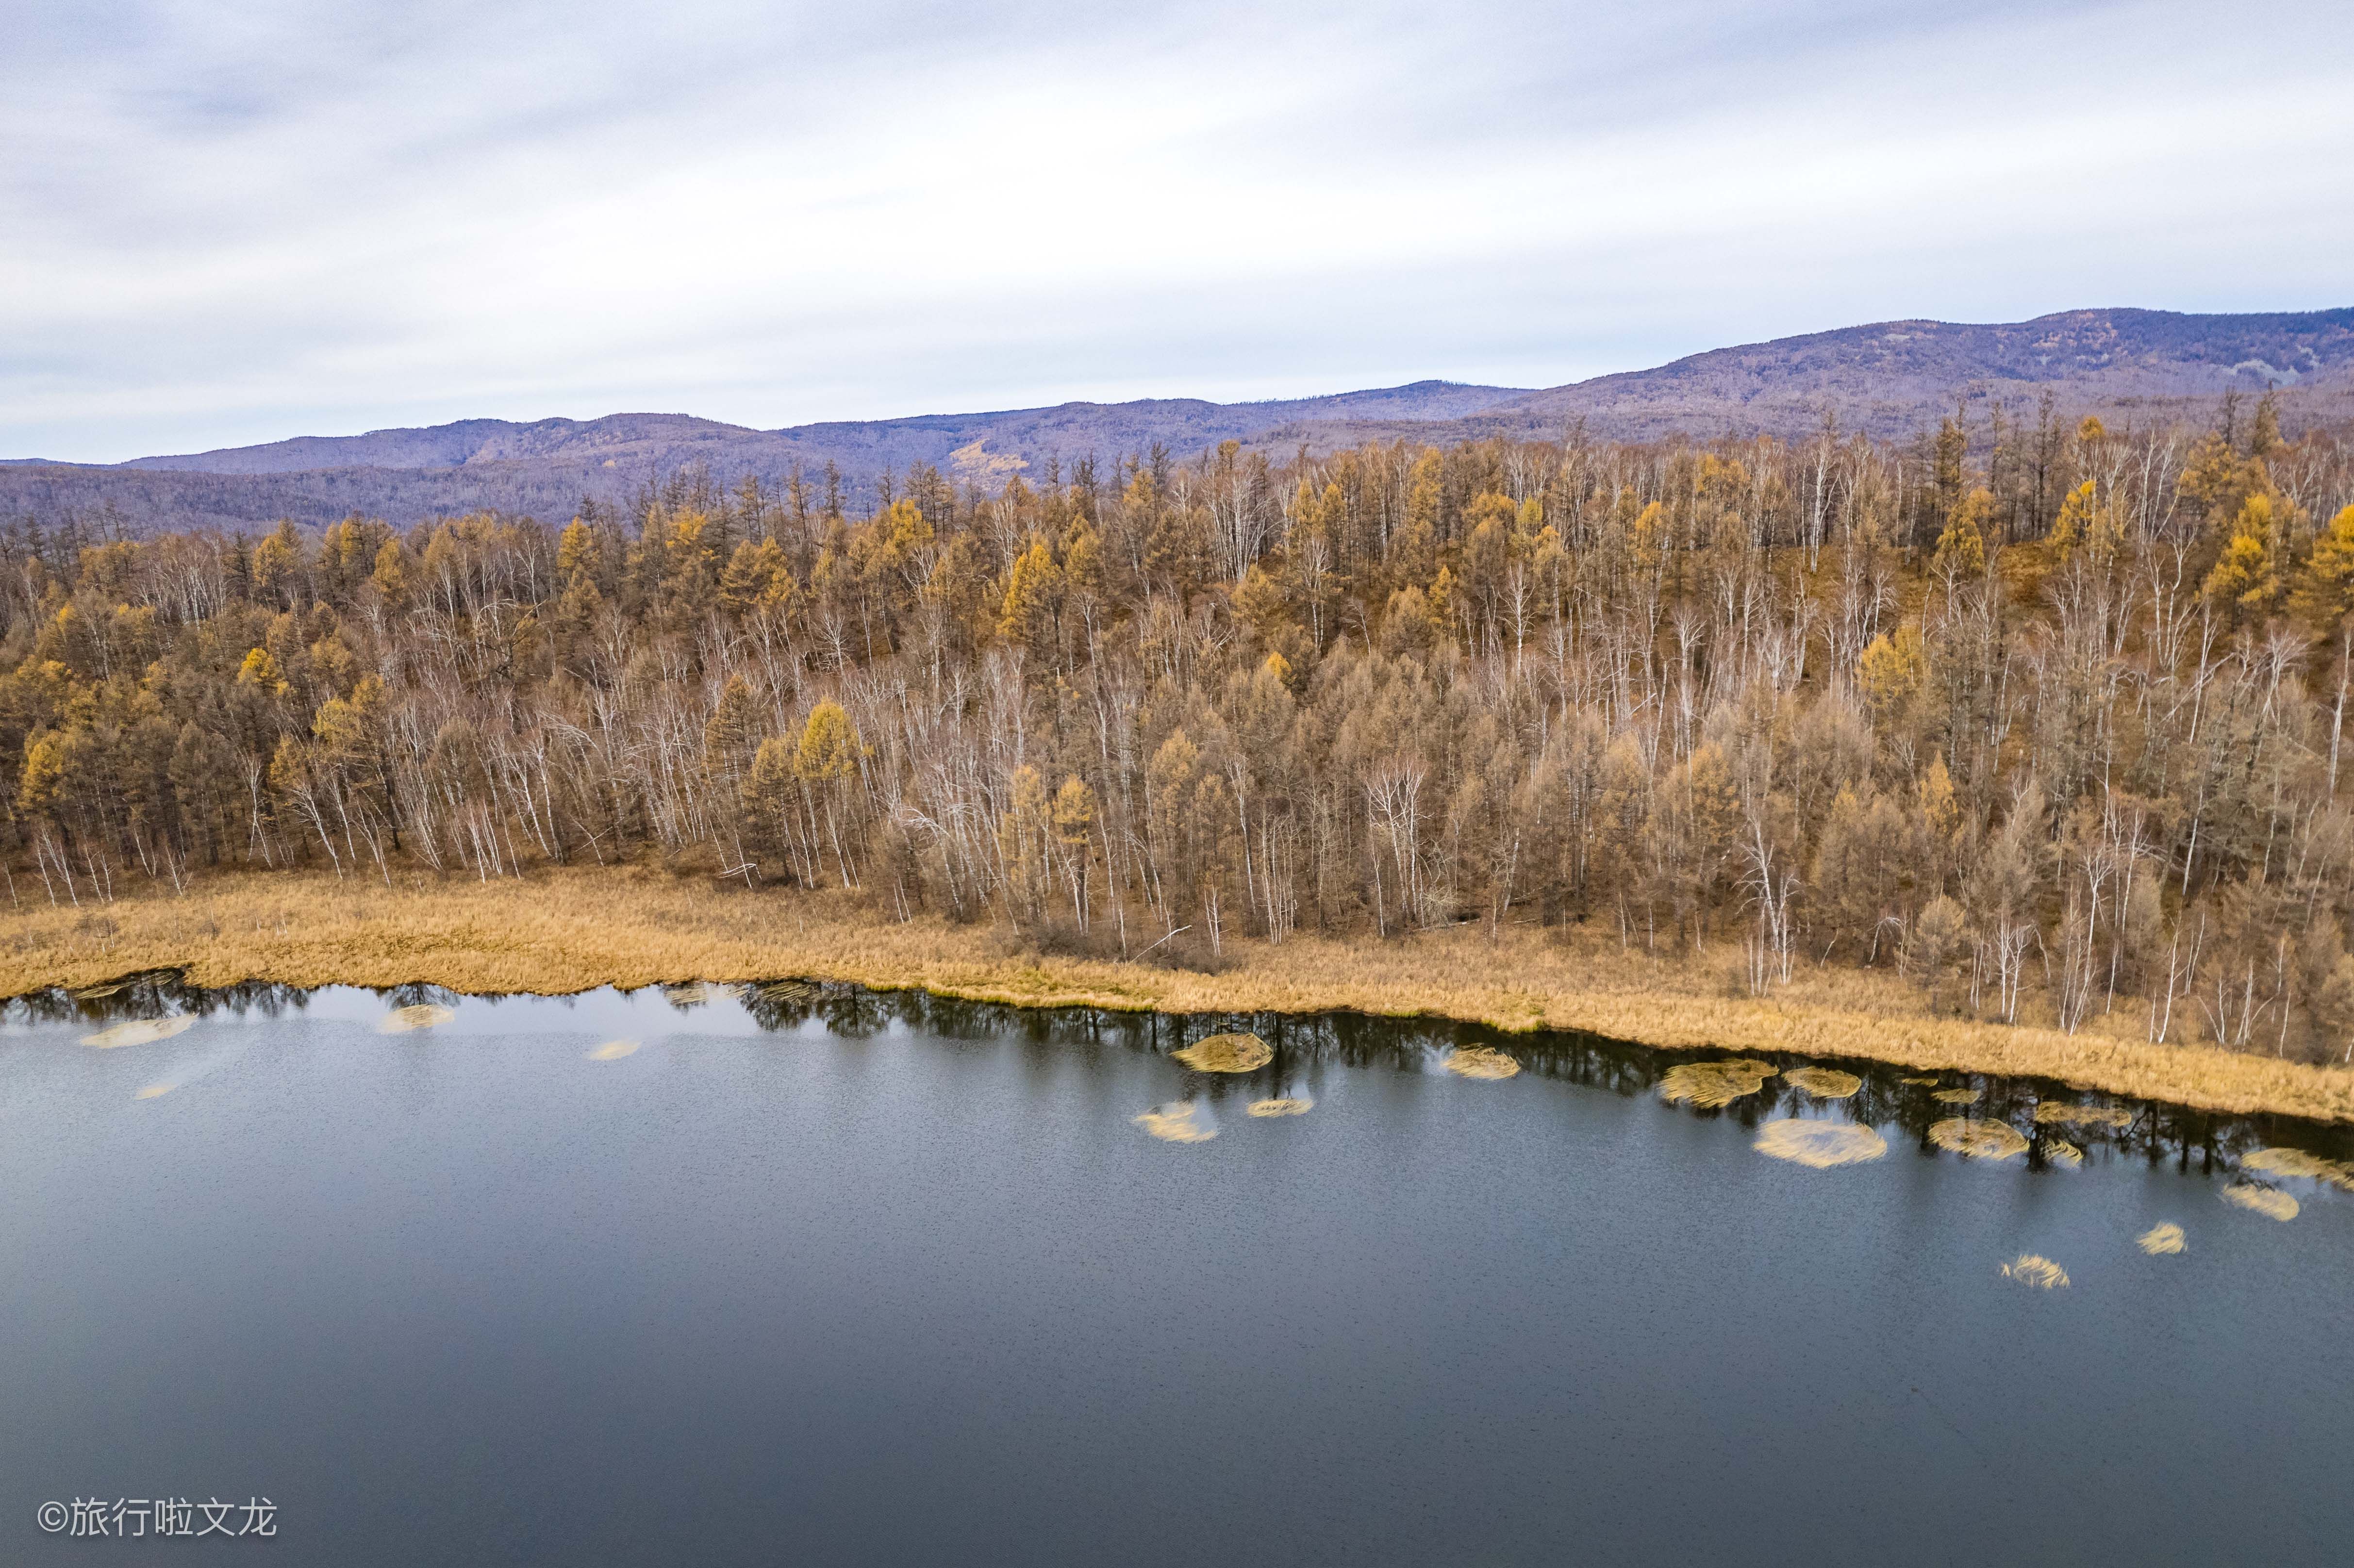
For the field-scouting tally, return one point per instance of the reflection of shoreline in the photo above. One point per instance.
(572, 930)
(2049, 1123)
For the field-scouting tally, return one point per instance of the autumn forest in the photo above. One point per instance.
(2046, 717)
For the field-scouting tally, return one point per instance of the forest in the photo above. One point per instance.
(2046, 717)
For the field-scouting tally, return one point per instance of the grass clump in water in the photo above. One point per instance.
(2299, 1163)
(1976, 1139)
(2160, 1240)
(613, 1050)
(2269, 1201)
(1819, 1144)
(138, 1031)
(423, 1016)
(1479, 1062)
(1714, 1084)
(2066, 1115)
(1179, 1121)
(2059, 1151)
(2034, 1269)
(1227, 1053)
(1825, 1083)
(1958, 1096)
(1299, 1105)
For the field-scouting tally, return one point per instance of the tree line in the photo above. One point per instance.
(2049, 720)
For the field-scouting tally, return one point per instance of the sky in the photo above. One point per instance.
(224, 224)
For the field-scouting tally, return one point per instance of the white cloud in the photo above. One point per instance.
(232, 225)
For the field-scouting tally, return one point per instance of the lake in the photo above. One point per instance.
(813, 1273)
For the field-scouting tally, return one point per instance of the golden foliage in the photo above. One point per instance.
(1958, 1096)
(1299, 1105)
(2160, 1240)
(1479, 1062)
(423, 1016)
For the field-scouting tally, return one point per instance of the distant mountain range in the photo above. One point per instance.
(1889, 378)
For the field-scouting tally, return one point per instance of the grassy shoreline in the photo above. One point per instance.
(572, 930)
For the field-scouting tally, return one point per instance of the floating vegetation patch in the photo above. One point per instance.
(2059, 1151)
(423, 1016)
(98, 992)
(1297, 1105)
(613, 1051)
(2161, 1239)
(1958, 1096)
(2037, 1271)
(787, 991)
(1479, 1062)
(1824, 1083)
(2299, 1163)
(1714, 1083)
(1821, 1144)
(1227, 1053)
(699, 993)
(2269, 1201)
(1977, 1140)
(1922, 1082)
(2066, 1115)
(1179, 1121)
(155, 1091)
(138, 1031)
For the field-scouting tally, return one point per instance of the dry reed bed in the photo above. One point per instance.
(574, 930)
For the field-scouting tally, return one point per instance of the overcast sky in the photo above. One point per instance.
(231, 222)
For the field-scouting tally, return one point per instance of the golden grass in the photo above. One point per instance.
(2059, 1151)
(2160, 1240)
(1298, 1105)
(1227, 1053)
(1479, 1062)
(1976, 1140)
(2269, 1201)
(1958, 1096)
(2034, 1269)
(613, 1051)
(1714, 1083)
(138, 1031)
(1179, 1122)
(1819, 1144)
(1824, 1083)
(575, 928)
(424, 1015)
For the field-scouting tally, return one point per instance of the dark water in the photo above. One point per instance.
(846, 1278)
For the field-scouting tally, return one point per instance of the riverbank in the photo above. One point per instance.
(569, 930)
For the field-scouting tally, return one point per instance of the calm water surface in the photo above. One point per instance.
(834, 1277)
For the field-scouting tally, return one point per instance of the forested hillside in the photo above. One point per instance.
(2053, 727)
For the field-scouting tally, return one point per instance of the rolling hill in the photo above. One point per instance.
(1888, 378)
